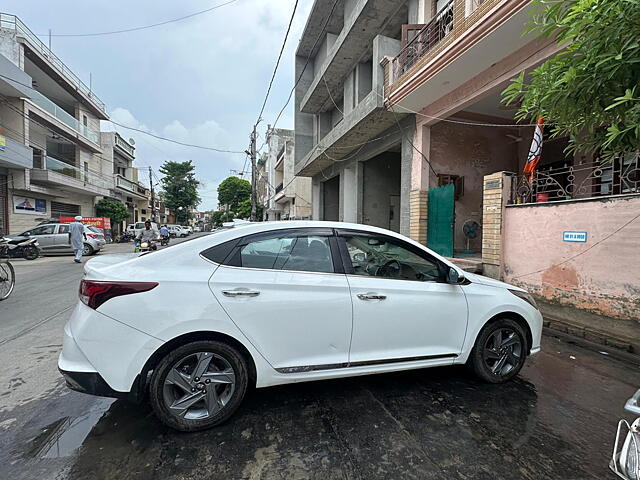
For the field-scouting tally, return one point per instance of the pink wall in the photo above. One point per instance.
(604, 280)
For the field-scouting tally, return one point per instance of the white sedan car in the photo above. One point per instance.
(274, 303)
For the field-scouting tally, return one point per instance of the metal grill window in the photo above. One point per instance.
(64, 210)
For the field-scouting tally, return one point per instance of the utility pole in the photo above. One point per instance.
(254, 179)
(153, 198)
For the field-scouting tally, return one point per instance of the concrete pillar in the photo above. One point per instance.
(316, 199)
(415, 183)
(496, 194)
(351, 194)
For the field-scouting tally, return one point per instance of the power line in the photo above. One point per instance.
(143, 27)
(286, 35)
(215, 149)
(324, 26)
(202, 147)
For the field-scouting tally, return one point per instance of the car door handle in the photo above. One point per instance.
(371, 296)
(240, 293)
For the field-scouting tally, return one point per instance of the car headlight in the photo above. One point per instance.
(526, 297)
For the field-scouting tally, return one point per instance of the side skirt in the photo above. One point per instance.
(334, 366)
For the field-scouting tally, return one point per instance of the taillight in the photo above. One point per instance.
(94, 293)
(91, 235)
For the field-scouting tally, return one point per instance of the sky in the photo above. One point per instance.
(201, 80)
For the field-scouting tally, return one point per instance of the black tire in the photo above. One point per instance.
(483, 367)
(7, 279)
(87, 250)
(173, 359)
(30, 252)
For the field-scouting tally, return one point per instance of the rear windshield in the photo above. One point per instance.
(94, 229)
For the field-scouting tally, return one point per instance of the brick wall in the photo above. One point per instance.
(418, 215)
(495, 194)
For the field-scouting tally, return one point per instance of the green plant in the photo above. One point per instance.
(589, 91)
(116, 211)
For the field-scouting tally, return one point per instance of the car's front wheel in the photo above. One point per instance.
(198, 385)
(499, 352)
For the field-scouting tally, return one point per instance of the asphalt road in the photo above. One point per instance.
(556, 421)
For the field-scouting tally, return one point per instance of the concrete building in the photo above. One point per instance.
(51, 122)
(357, 152)
(552, 233)
(118, 157)
(288, 197)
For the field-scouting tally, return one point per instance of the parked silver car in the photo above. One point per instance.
(54, 238)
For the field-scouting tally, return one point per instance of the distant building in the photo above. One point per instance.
(288, 196)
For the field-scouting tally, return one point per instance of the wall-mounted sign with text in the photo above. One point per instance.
(578, 237)
(32, 206)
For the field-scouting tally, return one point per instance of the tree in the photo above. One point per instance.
(219, 217)
(232, 191)
(180, 188)
(116, 211)
(589, 91)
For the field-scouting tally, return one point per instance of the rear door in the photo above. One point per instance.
(287, 293)
(61, 239)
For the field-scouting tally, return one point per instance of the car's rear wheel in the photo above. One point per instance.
(499, 352)
(198, 385)
(87, 250)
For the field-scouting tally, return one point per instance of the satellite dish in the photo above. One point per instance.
(471, 229)
(132, 141)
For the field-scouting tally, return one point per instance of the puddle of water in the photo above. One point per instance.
(64, 436)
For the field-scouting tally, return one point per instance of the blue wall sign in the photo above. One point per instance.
(580, 237)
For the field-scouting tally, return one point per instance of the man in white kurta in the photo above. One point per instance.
(77, 237)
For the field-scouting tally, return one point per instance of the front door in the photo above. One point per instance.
(440, 220)
(401, 307)
(45, 235)
(284, 293)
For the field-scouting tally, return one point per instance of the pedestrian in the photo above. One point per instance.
(77, 237)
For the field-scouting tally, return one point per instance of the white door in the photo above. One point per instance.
(282, 292)
(401, 308)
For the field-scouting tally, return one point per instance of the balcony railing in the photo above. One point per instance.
(124, 145)
(64, 116)
(58, 166)
(129, 185)
(12, 22)
(617, 177)
(423, 41)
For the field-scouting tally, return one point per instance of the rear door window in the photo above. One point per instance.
(301, 253)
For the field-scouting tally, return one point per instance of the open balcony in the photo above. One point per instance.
(64, 117)
(40, 54)
(130, 187)
(15, 155)
(460, 41)
(65, 176)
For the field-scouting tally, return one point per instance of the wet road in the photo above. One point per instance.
(556, 421)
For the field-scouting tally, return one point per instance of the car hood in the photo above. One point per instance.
(16, 237)
(482, 280)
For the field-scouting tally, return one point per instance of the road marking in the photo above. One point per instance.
(36, 325)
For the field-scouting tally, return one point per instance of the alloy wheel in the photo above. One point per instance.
(502, 351)
(198, 386)
(87, 249)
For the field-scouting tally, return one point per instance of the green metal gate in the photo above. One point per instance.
(441, 220)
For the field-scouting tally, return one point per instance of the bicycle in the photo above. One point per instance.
(7, 279)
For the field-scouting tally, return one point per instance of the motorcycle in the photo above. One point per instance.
(164, 240)
(139, 246)
(126, 237)
(28, 249)
(625, 460)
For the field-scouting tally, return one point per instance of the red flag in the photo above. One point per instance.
(535, 151)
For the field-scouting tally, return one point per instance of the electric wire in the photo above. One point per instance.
(286, 36)
(143, 27)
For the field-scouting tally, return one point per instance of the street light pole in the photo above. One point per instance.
(153, 198)
(254, 180)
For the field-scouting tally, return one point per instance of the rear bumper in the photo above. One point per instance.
(92, 383)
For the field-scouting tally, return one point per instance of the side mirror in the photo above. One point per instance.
(455, 277)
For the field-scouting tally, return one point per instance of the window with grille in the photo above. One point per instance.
(59, 209)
